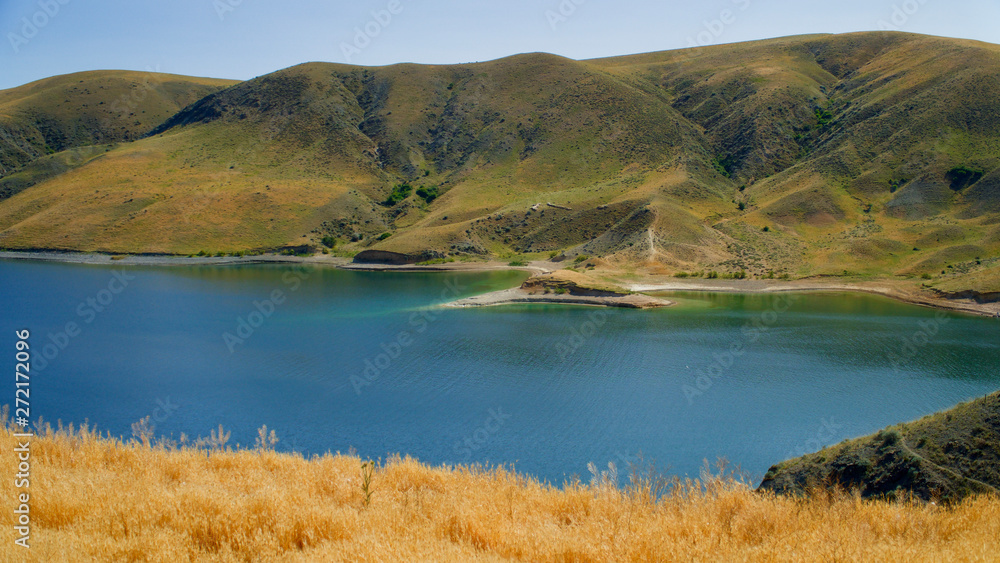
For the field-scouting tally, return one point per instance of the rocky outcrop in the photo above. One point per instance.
(946, 456)
(394, 258)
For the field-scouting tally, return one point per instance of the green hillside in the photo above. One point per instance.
(84, 109)
(870, 154)
(948, 455)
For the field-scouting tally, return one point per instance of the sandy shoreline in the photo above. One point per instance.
(518, 295)
(894, 289)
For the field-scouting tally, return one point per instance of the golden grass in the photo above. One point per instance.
(96, 498)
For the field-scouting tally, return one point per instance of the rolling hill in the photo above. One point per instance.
(947, 455)
(874, 154)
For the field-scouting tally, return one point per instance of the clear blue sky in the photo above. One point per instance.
(246, 38)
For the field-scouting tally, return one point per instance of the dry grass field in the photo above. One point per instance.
(100, 499)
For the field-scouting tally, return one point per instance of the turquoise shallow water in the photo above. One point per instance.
(334, 360)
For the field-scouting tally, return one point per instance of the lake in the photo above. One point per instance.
(338, 360)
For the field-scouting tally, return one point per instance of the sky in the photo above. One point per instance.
(241, 39)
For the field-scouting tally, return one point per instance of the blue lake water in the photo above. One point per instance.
(334, 360)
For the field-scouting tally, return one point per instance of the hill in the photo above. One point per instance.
(867, 154)
(89, 110)
(948, 455)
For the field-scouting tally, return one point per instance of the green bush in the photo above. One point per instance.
(517, 263)
(580, 258)
(384, 236)
(724, 165)
(428, 194)
(823, 117)
(399, 193)
(712, 275)
(329, 241)
(963, 176)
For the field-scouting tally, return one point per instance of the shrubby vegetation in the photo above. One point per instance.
(399, 193)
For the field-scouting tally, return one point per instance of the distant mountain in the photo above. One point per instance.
(871, 153)
(948, 455)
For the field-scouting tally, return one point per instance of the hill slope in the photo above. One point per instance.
(84, 109)
(947, 455)
(870, 153)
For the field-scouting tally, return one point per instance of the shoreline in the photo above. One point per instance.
(517, 295)
(892, 289)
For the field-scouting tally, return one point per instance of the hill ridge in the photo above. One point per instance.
(874, 154)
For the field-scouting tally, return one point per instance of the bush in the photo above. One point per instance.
(428, 194)
(712, 275)
(963, 176)
(724, 165)
(681, 275)
(517, 263)
(399, 193)
(329, 241)
(823, 117)
(384, 236)
(580, 258)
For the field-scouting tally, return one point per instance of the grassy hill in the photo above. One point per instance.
(948, 455)
(92, 111)
(868, 154)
